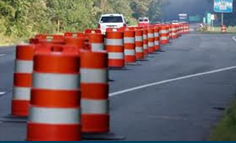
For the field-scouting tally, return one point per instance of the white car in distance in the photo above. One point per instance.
(111, 21)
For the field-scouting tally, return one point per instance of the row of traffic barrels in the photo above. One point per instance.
(61, 81)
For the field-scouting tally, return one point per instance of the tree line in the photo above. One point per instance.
(24, 18)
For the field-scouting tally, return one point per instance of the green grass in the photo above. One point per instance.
(226, 129)
(217, 30)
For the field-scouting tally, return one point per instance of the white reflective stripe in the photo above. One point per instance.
(139, 49)
(138, 38)
(129, 52)
(24, 66)
(129, 40)
(150, 44)
(116, 56)
(97, 47)
(150, 35)
(174, 34)
(54, 115)
(163, 32)
(20, 93)
(156, 34)
(164, 38)
(157, 43)
(114, 42)
(94, 106)
(94, 75)
(144, 37)
(56, 81)
(145, 46)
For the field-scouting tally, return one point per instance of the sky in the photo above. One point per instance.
(191, 7)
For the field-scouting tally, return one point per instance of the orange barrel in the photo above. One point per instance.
(139, 44)
(95, 91)
(50, 39)
(93, 31)
(80, 43)
(33, 41)
(55, 108)
(157, 38)
(164, 35)
(22, 80)
(129, 43)
(76, 35)
(179, 30)
(151, 46)
(115, 47)
(223, 29)
(173, 32)
(145, 41)
(95, 41)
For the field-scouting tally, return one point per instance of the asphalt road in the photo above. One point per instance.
(183, 109)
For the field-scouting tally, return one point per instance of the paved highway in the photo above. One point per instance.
(177, 94)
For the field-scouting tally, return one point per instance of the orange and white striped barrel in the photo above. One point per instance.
(145, 41)
(164, 34)
(157, 38)
(151, 45)
(50, 39)
(179, 30)
(75, 39)
(129, 43)
(22, 80)
(95, 41)
(76, 35)
(139, 44)
(223, 29)
(55, 103)
(95, 90)
(115, 47)
(173, 32)
(93, 31)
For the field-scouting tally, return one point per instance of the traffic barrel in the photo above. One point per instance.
(139, 44)
(164, 34)
(151, 46)
(129, 43)
(115, 47)
(76, 35)
(223, 29)
(145, 41)
(55, 103)
(75, 39)
(95, 91)
(173, 33)
(22, 80)
(157, 38)
(50, 39)
(95, 41)
(93, 31)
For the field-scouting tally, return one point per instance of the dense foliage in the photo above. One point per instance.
(24, 18)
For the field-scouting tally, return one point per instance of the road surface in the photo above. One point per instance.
(178, 94)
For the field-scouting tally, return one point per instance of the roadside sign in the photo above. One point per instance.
(223, 6)
(213, 17)
(208, 18)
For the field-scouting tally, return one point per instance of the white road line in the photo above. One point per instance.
(2, 55)
(234, 38)
(2, 93)
(170, 80)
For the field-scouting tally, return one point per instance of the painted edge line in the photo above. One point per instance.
(2, 55)
(170, 80)
(234, 38)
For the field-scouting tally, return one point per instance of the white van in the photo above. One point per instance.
(111, 21)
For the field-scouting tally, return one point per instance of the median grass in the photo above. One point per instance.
(217, 30)
(226, 129)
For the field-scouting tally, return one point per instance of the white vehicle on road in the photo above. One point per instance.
(111, 21)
